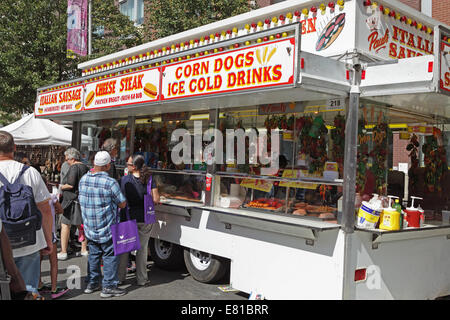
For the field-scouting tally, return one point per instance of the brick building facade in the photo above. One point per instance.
(440, 8)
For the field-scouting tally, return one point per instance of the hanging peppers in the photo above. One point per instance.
(338, 138)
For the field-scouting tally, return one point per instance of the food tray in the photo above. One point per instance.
(259, 209)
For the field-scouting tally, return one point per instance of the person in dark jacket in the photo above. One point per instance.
(134, 187)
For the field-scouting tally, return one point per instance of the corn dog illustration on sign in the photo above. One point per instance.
(131, 88)
(59, 101)
(260, 66)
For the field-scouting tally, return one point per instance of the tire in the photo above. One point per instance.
(205, 267)
(166, 255)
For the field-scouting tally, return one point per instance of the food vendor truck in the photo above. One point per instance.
(319, 90)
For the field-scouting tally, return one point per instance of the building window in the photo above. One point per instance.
(133, 9)
(427, 7)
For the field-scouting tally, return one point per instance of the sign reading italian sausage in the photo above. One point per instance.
(264, 65)
(132, 88)
(445, 66)
(59, 101)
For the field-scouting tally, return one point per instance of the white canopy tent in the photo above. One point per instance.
(32, 131)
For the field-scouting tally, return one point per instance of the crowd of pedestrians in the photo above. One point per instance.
(92, 201)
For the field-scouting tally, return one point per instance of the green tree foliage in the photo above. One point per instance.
(33, 37)
(112, 31)
(167, 17)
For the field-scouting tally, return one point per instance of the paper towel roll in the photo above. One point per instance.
(230, 202)
(235, 190)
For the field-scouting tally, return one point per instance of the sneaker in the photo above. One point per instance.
(45, 288)
(112, 292)
(91, 288)
(59, 292)
(82, 254)
(62, 256)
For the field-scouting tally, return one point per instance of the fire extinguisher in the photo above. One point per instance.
(208, 181)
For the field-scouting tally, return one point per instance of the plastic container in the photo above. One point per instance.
(421, 216)
(397, 206)
(390, 218)
(369, 213)
(413, 214)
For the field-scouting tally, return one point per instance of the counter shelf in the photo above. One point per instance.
(177, 207)
(280, 223)
(427, 231)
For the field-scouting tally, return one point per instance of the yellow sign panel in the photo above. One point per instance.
(260, 185)
(294, 174)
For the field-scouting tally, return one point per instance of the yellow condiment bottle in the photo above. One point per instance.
(390, 219)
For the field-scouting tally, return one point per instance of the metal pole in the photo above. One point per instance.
(211, 168)
(132, 127)
(350, 154)
(349, 187)
(90, 28)
(76, 135)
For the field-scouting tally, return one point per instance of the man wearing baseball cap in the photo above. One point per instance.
(99, 197)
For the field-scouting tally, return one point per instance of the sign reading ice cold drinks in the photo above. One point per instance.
(264, 65)
(59, 101)
(132, 88)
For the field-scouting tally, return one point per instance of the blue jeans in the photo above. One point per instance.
(30, 268)
(105, 251)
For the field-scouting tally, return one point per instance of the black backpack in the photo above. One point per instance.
(19, 213)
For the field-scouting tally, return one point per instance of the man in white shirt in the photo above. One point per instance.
(27, 259)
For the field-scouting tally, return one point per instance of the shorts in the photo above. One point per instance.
(72, 215)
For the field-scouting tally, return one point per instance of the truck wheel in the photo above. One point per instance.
(166, 255)
(205, 267)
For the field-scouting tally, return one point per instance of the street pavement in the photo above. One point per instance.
(163, 285)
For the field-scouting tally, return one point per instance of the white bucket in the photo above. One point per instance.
(367, 216)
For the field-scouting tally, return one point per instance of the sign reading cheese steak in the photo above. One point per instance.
(131, 88)
(59, 101)
(445, 66)
(264, 65)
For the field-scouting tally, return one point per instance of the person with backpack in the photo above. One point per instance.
(25, 212)
(134, 187)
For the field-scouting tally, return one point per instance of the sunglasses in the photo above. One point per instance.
(130, 164)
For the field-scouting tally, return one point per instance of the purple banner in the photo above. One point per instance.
(77, 27)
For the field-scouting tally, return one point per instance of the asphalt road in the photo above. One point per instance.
(163, 285)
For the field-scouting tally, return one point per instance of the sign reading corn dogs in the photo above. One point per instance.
(132, 88)
(59, 101)
(259, 66)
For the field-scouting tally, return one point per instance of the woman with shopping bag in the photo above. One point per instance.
(141, 193)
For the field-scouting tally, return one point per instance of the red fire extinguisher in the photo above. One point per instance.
(208, 181)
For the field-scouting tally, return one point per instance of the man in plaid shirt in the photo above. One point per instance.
(99, 197)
